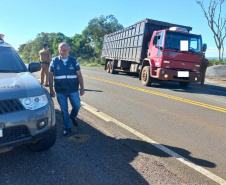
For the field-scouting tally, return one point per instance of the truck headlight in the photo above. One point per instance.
(166, 62)
(33, 103)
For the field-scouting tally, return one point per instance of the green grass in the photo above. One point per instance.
(214, 62)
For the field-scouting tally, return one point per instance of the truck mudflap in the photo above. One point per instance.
(177, 75)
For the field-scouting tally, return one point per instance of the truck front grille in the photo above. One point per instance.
(14, 133)
(7, 106)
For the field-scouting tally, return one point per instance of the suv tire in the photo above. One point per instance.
(45, 143)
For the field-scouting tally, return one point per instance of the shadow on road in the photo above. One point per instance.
(87, 156)
(195, 88)
(93, 90)
(152, 150)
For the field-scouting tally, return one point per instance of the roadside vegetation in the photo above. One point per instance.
(216, 22)
(213, 62)
(86, 47)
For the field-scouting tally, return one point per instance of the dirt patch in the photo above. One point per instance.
(213, 79)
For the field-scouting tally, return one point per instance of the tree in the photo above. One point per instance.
(21, 48)
(26, 55)
(80, 47)
(86, 46)
(58, 38)
(38, 42)
(31, 49)
(98, 27)
(218, 27)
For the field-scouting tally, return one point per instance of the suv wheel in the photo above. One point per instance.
(46, 142)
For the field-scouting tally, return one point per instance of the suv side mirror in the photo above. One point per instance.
(34, 67)
(204, 47)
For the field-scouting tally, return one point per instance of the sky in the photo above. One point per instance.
(22, 20)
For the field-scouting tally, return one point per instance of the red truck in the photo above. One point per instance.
(155, 50)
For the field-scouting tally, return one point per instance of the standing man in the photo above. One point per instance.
(203, 68)
(67, 78)
(45, 59)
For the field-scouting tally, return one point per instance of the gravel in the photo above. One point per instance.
(217, 71)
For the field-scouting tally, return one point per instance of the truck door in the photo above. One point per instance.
(156, 51)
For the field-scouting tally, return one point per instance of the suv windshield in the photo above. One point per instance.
(9, 62)
(173, 40)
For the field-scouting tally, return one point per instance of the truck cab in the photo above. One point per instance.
(175, 55)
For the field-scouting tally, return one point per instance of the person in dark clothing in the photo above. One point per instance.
(203, 68)
(67, 78)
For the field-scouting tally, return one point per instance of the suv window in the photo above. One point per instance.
(9, 61)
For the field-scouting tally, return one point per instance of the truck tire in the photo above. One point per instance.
(184, 84)
(108, 67)
(145, 76)
(45, 143)
(112, 69)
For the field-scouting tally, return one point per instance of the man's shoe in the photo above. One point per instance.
(47, 85)
(66, 131)
(75, 122)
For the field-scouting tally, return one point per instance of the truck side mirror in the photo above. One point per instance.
(204, 47)
(155, 40)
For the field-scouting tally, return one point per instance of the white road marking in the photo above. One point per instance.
(180, 158)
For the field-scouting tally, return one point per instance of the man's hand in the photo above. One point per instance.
(52, 93)
(82, 92)
(80, 80)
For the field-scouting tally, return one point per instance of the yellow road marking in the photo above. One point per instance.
(208, 106)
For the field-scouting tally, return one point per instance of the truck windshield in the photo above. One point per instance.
(173, 41)
(9, 62)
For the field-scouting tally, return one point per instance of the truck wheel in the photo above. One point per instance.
(112, 69)
(145, 76)
(45, 143)
(184, 84)
(108, 67)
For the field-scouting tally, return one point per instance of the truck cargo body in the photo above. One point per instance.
(131, 43)
(133, 48)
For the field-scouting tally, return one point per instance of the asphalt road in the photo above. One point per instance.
(189, 122)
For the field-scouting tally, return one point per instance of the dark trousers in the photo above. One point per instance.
(203, 72)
